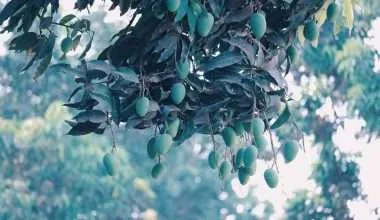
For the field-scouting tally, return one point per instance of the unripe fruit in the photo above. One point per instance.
(110, 164)
(239, 128)
(239, 159)
(258, 25)
(183, 68)
(151, 149)
(173, 5)
(205, 23)
(290, 151)
(332, 11)
(252, 169)
(271, 178)
(292, 53)
(142, 106)
(250, 155)
(258, 126)
(229, 136)
(178, 93)
(67, 44)
(163, 143)
(157, 170)
(173, 127)
(310, 31)
(213, 159)
(261, 143)
(225, 170)
(243, 176)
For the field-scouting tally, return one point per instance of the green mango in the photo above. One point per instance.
(261, 143)
(183, 69)
(310, 31)
(225, 170)
(213, 159)
(251, 170)
(250, 156)
(290, 150)
(178, 93)
(151, 149)
(205, 22)
(258, 25)
(271, 178)
(173, 5)
(239, 158)
(292, 53)
(229, 137)
(173, 127)
(157, 170)
(142, 106)
(110, 163)
(332, 12)
(163, 143)
(243, 176)
(239, 128)
(258, 126)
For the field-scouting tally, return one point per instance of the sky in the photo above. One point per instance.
(301, 167)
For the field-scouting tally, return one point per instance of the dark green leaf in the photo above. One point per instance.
(95, 116)
(83, 128)
(67, 18)
(282, 119)
(245, 46)
(26, 41)
(224, 59)
(10, 8)
(42, 66)
(45, 22)
(128, 74)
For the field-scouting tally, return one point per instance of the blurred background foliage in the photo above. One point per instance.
(48, 175)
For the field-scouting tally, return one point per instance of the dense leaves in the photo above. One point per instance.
(225, 63)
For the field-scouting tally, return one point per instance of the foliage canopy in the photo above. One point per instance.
(213, 66)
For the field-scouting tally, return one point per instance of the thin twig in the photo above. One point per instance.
(300, 132)
(271, 143)
(112, 136)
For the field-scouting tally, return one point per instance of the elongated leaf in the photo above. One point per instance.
(67, 18)
(26, 41)
(244, 46)
(42, 66)
(282, 119)
(225, 59)
(10, 9)
(128, 74)
(83, 128)
(94, 116)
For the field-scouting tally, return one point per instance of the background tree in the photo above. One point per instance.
(344, 70)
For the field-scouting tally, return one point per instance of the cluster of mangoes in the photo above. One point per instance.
(242, 159)
(236, 159)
